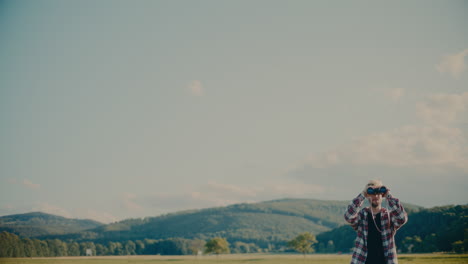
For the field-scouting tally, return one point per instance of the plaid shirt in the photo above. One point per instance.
(391, 221)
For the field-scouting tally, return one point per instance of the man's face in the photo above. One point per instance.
(375, 199)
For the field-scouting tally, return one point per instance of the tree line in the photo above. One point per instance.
(431, 230)
(12, 245)
(439, 229)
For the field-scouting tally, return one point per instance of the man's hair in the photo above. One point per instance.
(373, 183)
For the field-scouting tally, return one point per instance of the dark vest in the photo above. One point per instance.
(375, 252)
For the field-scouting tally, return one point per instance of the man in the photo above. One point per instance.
(375, 226)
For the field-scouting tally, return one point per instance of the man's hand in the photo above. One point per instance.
(386, 193)
(364, 192)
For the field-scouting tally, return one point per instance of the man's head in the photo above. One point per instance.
(374, 199)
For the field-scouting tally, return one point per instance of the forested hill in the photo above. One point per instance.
(39, 224)
(429, 230)
(260, 223)
(262, 227)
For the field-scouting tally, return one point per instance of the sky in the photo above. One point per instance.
(112, 110)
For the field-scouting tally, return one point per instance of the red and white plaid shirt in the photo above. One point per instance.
(391, 221)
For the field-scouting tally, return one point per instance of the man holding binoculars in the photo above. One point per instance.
(375, 226)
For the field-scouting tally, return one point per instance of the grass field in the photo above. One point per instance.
(236, 259)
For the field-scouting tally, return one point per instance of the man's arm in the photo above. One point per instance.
(398, 215)
(352, 212)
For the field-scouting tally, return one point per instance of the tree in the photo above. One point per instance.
(7, 244)
(73, 249)
(119, 249)
(196, 246)
(458, 247)
(150, 247)
(303, 243)
(15, 246)
(115, 249)
(84, 246)
(130, 248)
(217, 246)
(41, 248)
(330, 246)
(112, 248)
(241, 247)
(430, 243)
(413, 244)
(101, 250)
(29, 248)
(171, 246)
(57, 248)
(140, 247)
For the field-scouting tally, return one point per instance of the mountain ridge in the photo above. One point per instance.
(34, 224)
(259, 227)
(278, 219)
(261, 223)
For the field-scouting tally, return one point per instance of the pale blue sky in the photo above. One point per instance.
(119, 109)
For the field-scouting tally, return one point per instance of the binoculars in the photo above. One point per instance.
(381, 190)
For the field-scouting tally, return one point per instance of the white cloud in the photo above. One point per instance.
(30, 185)
(296, 190)
(414, 160)
(77, 213)
(437, 142)
(221, 194)
(25, 183)
(128, 201)
(271, 190)
(8, 209)
(100, 216)
(214, 194)
(453, 64)
(323, 160)
(12, 181)
(395, 94)
(444, 109)
(231, 190)
(196, 88)
(51, 209)
(409, 146)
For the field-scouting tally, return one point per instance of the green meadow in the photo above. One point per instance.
(236, 259)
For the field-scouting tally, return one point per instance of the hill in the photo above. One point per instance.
(264, 223)
(260, 223)
(258, 227)
(427, 230)
(38, 224)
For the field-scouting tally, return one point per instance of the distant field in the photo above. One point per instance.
(236, 259)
